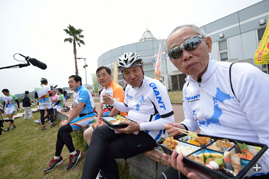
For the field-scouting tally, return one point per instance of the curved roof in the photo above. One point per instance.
(147, 35)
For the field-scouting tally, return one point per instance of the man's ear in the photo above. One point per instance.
(208, 42)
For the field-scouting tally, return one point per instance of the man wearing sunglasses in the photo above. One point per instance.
(221, 99)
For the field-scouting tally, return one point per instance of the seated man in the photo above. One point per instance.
(230, 99)
(10, 108)
(104, 78)
(84, 109)
(148, 105)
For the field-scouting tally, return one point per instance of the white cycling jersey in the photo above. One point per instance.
(149, 105)
(212, 106)
(9, 101)
(43, 97)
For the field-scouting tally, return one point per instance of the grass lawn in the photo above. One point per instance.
(27, 150)
(175, 97)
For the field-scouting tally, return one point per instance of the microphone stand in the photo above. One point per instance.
(18, 65)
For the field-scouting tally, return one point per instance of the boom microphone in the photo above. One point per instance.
(37, 63)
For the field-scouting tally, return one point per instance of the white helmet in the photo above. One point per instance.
(128, 60)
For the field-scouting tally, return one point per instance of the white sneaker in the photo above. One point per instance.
(99, 176)
(46, 119)
(38, 121)
(30, 117)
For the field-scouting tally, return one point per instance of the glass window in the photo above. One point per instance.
(223, 45)
(224, 56)
(148, 66)
(260, 33)
(149, 73)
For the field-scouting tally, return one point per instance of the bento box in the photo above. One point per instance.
(218, 158)
(115, 121)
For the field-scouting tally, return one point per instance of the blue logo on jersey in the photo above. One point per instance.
(130, 97)
(193, 98)
(220, 96)
(157, 93)
(137, 106)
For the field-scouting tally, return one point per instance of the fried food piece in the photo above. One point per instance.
(112, 121)
(224, 143)
(213, 147)
(171, 143)
(203, 140)
(235, 161)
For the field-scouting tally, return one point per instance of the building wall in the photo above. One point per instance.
(240, 31)
(148, 51)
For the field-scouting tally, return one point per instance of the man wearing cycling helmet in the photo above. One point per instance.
(221, 99)
(148, 106)
(42, 93)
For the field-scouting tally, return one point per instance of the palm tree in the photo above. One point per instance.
(75, 38)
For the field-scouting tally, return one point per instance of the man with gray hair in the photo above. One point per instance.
(229, 98)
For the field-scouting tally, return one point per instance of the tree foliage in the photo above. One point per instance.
(76, 39)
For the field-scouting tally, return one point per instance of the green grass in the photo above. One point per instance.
(175, 97)
(27, 150)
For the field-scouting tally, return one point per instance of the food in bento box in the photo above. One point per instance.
(184, 149)
(118, 120)
(216, 161)
(203, 140)
(223, 143)
(245, 152)
(235, 161)
(213, 147)
(246, 155)
(171, 143)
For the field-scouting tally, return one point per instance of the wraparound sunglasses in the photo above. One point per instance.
(190, 44)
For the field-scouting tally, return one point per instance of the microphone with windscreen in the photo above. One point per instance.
(35, 62)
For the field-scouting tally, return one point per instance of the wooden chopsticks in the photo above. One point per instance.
(192, 134)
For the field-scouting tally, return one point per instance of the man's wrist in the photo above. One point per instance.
(114, 101)
(186, 128)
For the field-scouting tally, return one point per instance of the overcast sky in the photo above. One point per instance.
(35, 28)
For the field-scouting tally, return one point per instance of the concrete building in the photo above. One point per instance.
(147, 47)
(235, 39)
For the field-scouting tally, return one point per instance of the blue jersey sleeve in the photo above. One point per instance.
(83, 96)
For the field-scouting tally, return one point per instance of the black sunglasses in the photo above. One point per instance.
(190, 44)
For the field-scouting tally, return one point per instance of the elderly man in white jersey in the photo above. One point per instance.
(42, 93)
(10, 108)
(148, 105)
(221, 99)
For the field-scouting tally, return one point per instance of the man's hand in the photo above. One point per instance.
(176, 162)
(63, 123)
(132, 127)
(108, 99)
(98, 122)
(172, 131)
